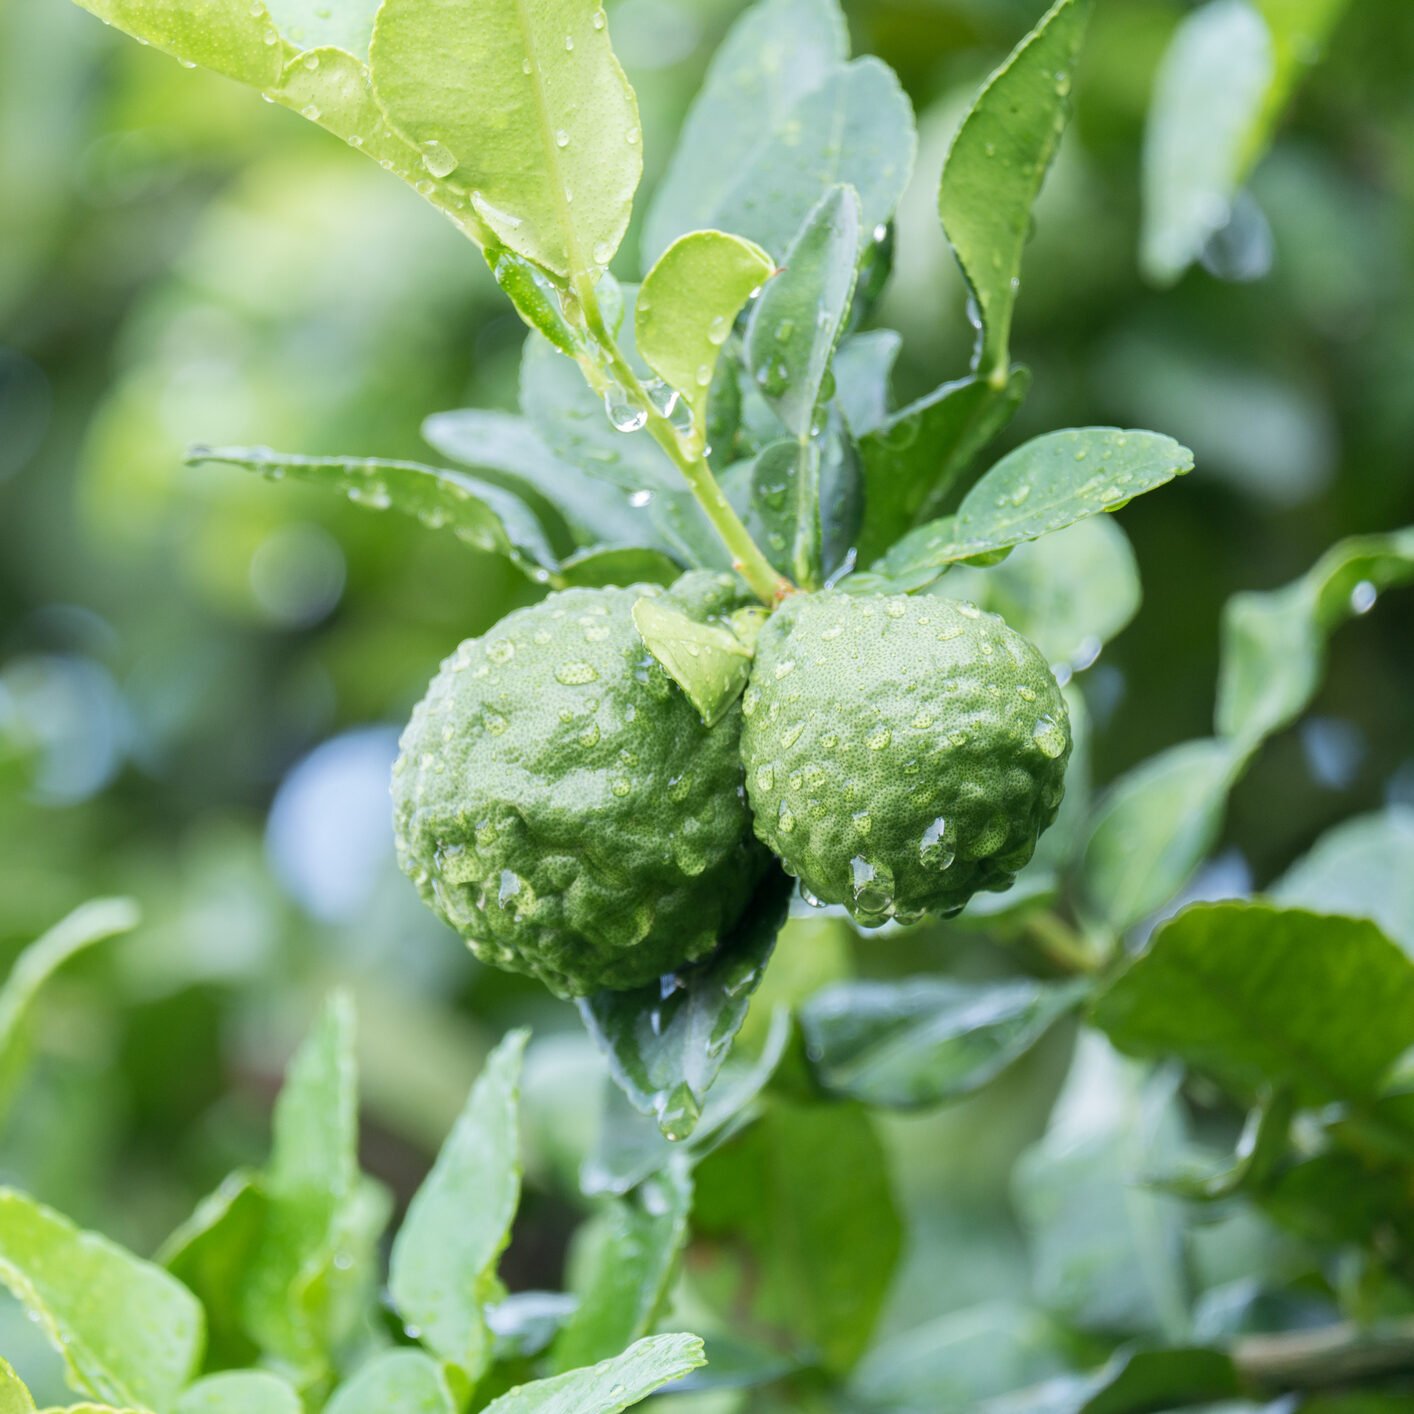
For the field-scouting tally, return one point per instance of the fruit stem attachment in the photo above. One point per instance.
(747, 558)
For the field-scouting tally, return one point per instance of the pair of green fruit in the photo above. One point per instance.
(559, 801)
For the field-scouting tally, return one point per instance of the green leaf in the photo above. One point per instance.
(706, 661)
(1070, 593)
(611, 1385)
(777, 52)
(1273, 644)
(1107, 1254)
(863, 366)
(805, 1189)
(128, 1332)
(797, 321)
(666, 1043)
(915, 457)
(1260, 995)
(616, 565)
(996, 165)
(443, 1267)
(686, 308)
(90, 923)
(14, 1397)
(537, 300)
(1363, 868)
(1153, 828)
(1136, 1382)
(511, 451)
(239, 1392)
(312, 24)
(1261, 1147)
(1046, 484)
(485, 516)
(782, 506)
(624, 1261)
(395, 1382)
(529, 105)
(213, 1254)
(925, 1040)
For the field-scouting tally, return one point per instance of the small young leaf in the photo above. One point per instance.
(796, 323)
(1273, 644)
(239, 1392)
(485, 516)
(532, 111)
(88, 924)
(1260, 995)
(128, 1332)
(913, 459)
(14, 1397)
(625, 1259)
(686, 308)
(1043, 486)
(443, 1267)
(778, 51)
(925, 1040)
(1153, 828)
(393, 1382)
(708, 662)
(536, 298)
(996, 165)
(666, 1043)
(611, 1386)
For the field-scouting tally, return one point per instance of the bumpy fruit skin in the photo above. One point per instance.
(901, 753)
(558, 801)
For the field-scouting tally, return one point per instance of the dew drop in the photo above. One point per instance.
(785, 819)
(934, 849)
(878, 739)
(1362, 597)
(620, 787)
(863, 821)
(765, 776)
(623, 415)
(792, 734)
(500, 650)
(438, 159)
(494, 722)
(576, 673)
(873, 888)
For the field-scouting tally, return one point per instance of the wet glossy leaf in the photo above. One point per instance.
(622, 1264)
(611, 1385)
(782, 507)
(239, 1392)
(443, 1266)
(665, 1044)
(14, 1397)
(687, 306)
(394, 1381)
(706, 661)
(527, 104)
(1261, 995)
(308, 24)
(997, 163)
(1043, 486)
(1273, 643)
(128, 1332)
(925, 1040)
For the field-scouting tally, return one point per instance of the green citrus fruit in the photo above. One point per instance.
(559, 802)
(901, 754)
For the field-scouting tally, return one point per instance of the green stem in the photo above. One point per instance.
(1061, 945)
(747, 558)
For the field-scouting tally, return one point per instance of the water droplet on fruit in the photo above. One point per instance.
(879, 739)
(863, 821)
(873, 888)
(494, 722)
(500, 650)
(785, 819)
(784, 669)
(576, 673)
(934, 849)
(620, 787)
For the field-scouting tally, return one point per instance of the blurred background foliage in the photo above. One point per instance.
(202, 676)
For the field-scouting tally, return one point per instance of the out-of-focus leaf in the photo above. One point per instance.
(443, 1267)
(90, 923)
(777, 52)
(1364, 868)
(14, 1397)
(524, 1324)
(1260, 1148)
(487, 517)
(666, 1043)
(1043, 486)
(1153, 828)
(1107, 1254)
(1134, 1382)
(706, 661)
(1273, 643)
(528, 107)
(624, 1260)
(128, 1332)
(1070, 593)
(592, 569)
(914, 458)
(393, 1382)
(925, 1040)
(996, 165)
(687, 306)
(239, 1392)
(863, 364)
(806, 1189)
(1261, 995)
(611, 1385)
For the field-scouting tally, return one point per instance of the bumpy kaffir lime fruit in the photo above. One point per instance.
(901, 754)
(560, 803)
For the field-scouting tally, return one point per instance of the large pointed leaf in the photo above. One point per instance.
(610, 1386)
(443, 1269)
(128, 1332)
(527, 103)
(996, 165)
(231, 37)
